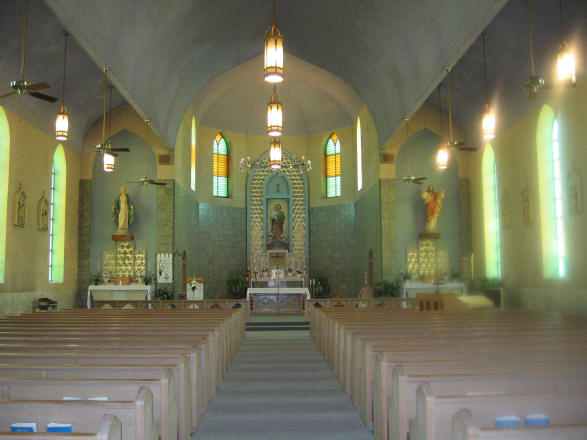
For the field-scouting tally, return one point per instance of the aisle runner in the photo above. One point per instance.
(280, 387)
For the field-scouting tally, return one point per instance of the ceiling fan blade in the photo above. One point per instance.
(135, 181)
(38, 86)
(43, 97)
(158, 183)
(419, 179)
(7, 95)
(467, 148)
(120, 149)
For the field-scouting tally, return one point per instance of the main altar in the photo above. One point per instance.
(277, 237)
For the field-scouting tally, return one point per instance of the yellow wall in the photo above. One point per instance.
(516, 159)
(27, 249)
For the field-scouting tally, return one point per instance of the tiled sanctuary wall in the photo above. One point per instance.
(83, 242)
(185, 234)
(367, 237)
(389, 264)
(221, 249)
(332, 245)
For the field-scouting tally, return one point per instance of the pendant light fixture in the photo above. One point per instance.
(565, 63)
(275, 154)
(62, 120)
(274, 116)
(488, 122)
(273, 68)
(443, 152)
(534, 82)
(107, 156)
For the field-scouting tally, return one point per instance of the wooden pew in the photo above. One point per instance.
(434, 412)
(464, 427)
(109, 429)
(165, 411)
(136, 417)
(402, 399)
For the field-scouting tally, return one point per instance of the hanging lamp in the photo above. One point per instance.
(273, 67)
(62, 119)
(275, 154)
(488, 121)
(565, 62)
(274, 115)
(534, 82)
(443, 152)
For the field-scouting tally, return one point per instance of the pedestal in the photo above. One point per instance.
(427, 256)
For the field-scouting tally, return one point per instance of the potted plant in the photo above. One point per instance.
(236, 287)
(147, 278)
(387, 289)
(96, 278)
(322, 287)
(163, 293)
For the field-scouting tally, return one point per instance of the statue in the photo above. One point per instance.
(433, 202)
(277, 221)
(123, 211)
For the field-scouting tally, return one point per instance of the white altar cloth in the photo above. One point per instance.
(410, 289)
(120, 292)
(278, 290)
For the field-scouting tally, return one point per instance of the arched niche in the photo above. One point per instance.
(266, 189)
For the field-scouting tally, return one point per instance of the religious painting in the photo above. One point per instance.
(20, 207)
(277, 225)
(574, 192)
(164, 268)
(527, 206)
(43, 213)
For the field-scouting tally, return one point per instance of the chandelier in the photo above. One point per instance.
(273, 68)
(301, 164)
(274, 116)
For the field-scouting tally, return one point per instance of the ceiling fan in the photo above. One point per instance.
(145, 180)
(409, 178)
(451, 142)
(106, 147)
(22, 86)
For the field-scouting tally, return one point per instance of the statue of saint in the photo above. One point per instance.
(123, 211)
(433, 202)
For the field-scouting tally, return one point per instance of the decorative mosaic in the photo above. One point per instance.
(109, 266)
(297, 255)
(140, 263)
(443, 264)
(124, 258)
(412, 259)
(427, 259)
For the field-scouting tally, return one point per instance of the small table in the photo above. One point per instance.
(410, 289)
(278, 299)
(105, 292)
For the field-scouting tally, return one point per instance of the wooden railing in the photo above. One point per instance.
(175, 304)
(398, 303)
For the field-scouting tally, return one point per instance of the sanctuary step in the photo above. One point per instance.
(278, 326)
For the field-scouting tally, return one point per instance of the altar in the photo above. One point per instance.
(107, 292)
(410, 289)
(278, 295)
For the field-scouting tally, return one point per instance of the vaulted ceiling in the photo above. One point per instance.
(167, 55)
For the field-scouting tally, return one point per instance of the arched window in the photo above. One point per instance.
(359, 157)
(220, 167)
(491, 215)
(193, 157)
(551, 195)
(332, 154)
(4, 170)
(57, 217)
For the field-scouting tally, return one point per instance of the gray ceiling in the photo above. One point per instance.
(168, 55)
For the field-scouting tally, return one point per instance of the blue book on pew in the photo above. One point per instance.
(537, 420)
(507, 422)
(59, 427)
(24, 427)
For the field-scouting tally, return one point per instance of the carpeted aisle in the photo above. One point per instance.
(280, 387)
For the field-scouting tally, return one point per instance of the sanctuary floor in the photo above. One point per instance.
(279, 387)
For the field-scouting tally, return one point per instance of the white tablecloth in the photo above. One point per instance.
(279, 291)
(120, 292)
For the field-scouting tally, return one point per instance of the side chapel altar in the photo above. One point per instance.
(277, 238)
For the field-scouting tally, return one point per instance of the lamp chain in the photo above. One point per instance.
(560, 5)
(485, 70)
(23, 53)
(64, 66)
(440, 112)
(530, 38)
(104, 118)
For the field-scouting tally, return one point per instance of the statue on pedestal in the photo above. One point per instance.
(433, 202)
(123, 211)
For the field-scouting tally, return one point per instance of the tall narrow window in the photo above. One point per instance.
(4, 169)
(57, 217)
(332, 154)
(549, 155)
(220, 167)
(491, 215)
(558, 201)
(359, 157)
(193, 157)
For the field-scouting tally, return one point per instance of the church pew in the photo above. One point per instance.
(164, 375)
(136, 417)
(464, 427)
(177, 363)
(402, 399)
(165, 411)
(434, 412)
(109, 429)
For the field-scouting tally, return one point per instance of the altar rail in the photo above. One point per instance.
(175, 304)
(368, 303)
